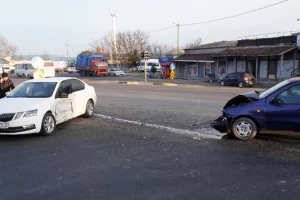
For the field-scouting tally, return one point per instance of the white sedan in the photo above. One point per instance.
(115, 72)
(38, 105)
(71, 69)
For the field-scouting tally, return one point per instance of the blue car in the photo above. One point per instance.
(276, 109)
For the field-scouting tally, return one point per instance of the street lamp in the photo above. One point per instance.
(114, 15)
(67, 53)
(178, 26)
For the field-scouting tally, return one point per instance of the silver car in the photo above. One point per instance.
(7, 69)
(115, 72)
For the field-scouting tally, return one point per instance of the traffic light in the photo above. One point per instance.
(142, 55)
(146, 55)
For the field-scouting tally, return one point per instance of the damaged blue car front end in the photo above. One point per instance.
(247, 104)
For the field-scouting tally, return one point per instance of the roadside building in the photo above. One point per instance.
(266, 58)
(198, 62)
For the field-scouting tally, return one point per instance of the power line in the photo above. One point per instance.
(224, 18)
(162, 29)
(237, 15)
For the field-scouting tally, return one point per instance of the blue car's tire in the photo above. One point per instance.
(244, 128)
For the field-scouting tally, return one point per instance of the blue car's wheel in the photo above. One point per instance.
(244, 128)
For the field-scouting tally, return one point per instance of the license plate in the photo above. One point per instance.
(4, 125)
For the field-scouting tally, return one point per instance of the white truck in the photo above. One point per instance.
(149, 63)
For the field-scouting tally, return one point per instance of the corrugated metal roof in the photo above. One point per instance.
(256, 51)
(215, 45)
(195, 58)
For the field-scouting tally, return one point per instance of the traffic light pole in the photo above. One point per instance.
(145, 71)
(145, 56)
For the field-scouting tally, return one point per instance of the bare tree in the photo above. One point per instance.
(128, 43)
(7, 49)
(194, 43)
(157, 50)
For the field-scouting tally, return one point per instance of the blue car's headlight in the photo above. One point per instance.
(31, 113)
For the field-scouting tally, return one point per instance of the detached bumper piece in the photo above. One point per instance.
(220, 125)
(18, 129)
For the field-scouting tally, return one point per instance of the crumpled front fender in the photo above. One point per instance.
(221, 124)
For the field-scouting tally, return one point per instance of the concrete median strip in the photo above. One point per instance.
(166, 84)
(149, 83)
(129, 82)
(202, 133)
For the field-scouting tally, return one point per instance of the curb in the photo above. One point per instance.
(166, 84)
(129, 82)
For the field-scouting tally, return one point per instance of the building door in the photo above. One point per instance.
(272, 70)
(167, 71)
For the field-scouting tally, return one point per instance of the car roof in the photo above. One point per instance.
(54, 79)
(294, 79)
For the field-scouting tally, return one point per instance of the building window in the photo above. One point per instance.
(222, 68)
(207, 69)
(191, 69)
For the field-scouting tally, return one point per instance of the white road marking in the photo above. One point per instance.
(202, 133)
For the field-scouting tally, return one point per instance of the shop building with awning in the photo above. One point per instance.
(266, 58)
(198, 62)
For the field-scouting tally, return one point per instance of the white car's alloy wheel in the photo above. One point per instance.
(48, 125)
(89, 111)
(90, 108)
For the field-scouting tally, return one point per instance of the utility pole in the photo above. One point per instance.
(67, 54)
(114, 15)
(178, 29)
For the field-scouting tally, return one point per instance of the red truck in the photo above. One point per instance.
(91, 65)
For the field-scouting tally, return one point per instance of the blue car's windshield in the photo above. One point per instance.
(33, 90)
(273, 89)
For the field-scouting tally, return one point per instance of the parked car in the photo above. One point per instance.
(115, 72)
(38, 105)
(71, 69)
(24, 69)
(7, 69)
(275, 109)
(240, 79)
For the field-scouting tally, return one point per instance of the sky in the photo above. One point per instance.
(44, 26)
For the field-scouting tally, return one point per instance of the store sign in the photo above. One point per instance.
(165, 59)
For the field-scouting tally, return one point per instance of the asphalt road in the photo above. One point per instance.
(104, 159)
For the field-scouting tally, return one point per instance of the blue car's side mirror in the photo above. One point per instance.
(276, 101)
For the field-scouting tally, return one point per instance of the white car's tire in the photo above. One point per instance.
(89, 109)
(48, 125)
